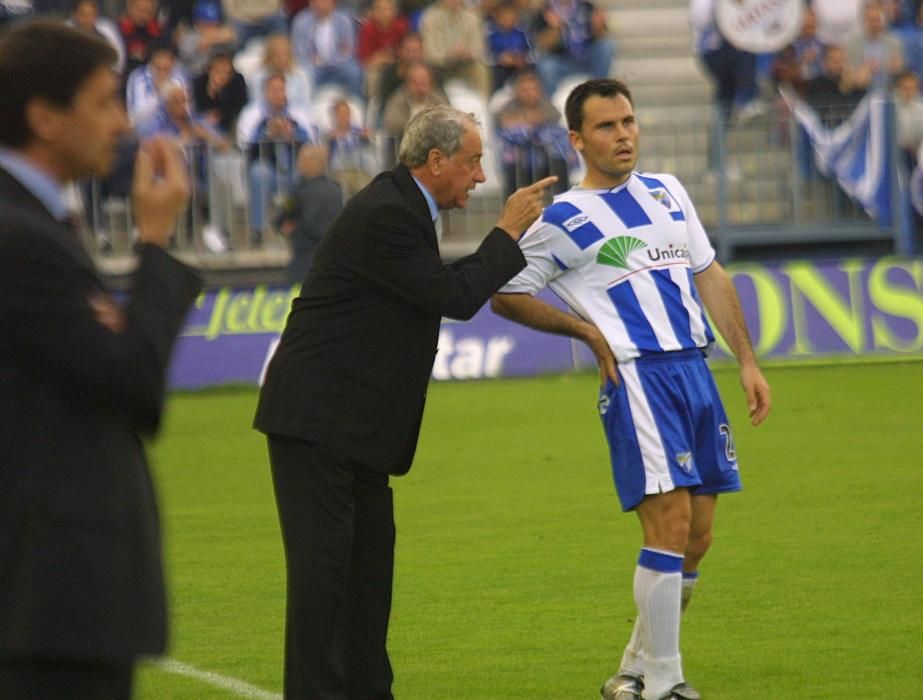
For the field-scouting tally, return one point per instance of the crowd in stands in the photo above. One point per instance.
(259, 79)
(846, 49)
(264, 78)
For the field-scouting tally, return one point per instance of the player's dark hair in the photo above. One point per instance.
(600, 87)
(44, 60)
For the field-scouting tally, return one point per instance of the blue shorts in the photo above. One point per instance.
(667, 428)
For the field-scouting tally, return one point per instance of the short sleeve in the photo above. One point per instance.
(701, 252)
(542, 265)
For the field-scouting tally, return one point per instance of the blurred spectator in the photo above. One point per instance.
(534, 144)
(198, 139)
(412, 10)
(324, 42)
(803, 59)
(507, 44)
(833, 94)
(572, 39)
(308, 210)
(837, 20)
(208, 31)
(85, 16)
(733, 74)
(278, 58)
(454, 43)
(417, 93)
(875, 56)
(40, 8)
(142, 92)
(912, 41)
(220, 93)
(409, 51)
(900, 13)
(175, 13)
(14, 10)
(175, 118)
(141, 31)
(271, 133)
(379, 36)
(255, 18)
(351, 161)
(908, 108)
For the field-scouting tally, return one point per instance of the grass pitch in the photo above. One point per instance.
(514, 564)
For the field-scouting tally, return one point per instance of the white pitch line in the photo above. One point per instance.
(240, 688)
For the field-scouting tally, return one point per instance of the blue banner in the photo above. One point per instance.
(859, 152)
(795, 310)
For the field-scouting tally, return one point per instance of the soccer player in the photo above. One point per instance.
(627, 253)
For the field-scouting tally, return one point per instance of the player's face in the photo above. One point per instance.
(461, 173)
(608, 140)
(84, 136)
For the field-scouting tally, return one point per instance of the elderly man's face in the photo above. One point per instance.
(461, 172)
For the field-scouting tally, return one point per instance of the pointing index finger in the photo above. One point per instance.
(542, 184)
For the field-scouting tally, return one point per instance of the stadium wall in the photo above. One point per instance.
(796, 310)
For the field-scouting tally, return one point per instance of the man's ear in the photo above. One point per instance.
(43, 119)
(576, 140)
(435, 161)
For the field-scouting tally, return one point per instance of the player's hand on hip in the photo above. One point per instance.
(160, 189)
(597, 342)
(523, 207)
(759, 399)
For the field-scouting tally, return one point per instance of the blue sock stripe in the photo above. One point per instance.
(690, 575)
(660, 561)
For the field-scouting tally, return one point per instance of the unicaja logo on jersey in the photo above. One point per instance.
(615, 252)
(671, 253)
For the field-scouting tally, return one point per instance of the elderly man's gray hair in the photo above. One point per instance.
(436, 127)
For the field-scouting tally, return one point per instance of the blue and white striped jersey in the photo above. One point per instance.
(623, 259)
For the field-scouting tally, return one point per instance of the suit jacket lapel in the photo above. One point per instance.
(14, 194)
(417, 201)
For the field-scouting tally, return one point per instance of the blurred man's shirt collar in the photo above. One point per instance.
(40, 184)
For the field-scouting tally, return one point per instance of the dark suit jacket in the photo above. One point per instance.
(80, 560)
(353, 364)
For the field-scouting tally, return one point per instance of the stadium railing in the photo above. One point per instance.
(754, 183)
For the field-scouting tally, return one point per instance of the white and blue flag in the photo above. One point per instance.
(858, 152)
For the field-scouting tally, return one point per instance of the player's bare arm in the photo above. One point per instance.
(535, 313)
(720, 299)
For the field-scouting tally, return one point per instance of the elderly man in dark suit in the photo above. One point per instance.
(81, 379)
(344, 394)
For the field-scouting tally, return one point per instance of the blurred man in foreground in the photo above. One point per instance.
(81, 379)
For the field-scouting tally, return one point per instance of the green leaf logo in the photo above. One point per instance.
(615, 252)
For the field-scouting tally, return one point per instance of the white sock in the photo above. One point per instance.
(657, 589)
(633, 657)
(689, 581)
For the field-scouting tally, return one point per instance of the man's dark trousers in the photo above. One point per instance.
(335, 512)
